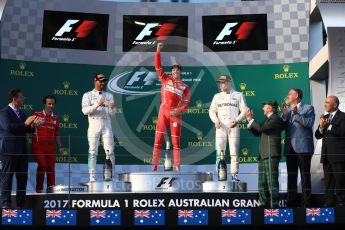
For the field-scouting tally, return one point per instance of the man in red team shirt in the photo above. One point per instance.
(175, 100)
(43, 143)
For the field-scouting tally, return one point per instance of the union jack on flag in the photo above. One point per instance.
(271, 212)
(185, 213)
(53, 213)
(9, 213)
(313, 211)
(229, 213)
(142, 213)
(97, 213)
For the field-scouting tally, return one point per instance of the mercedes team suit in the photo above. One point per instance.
(43, 148)
(99, 126)
(227, 107)
(174, 95)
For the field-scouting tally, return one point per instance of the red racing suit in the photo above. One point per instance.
(174, 95)
(43, 148)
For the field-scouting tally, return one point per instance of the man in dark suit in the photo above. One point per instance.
(270, 153)
(299, 146)
(332, 132)
(14, 125)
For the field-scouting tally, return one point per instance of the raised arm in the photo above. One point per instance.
(16, 127)
(158, 65)
(268, 126)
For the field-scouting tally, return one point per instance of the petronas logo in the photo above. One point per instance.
(65, 118)
(243, 86)
(286, 68)
(66, 84)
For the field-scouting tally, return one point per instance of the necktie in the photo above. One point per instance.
(330, 118)
(18, 113)
(291, 117)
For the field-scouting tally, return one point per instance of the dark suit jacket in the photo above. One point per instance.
(333, 141)
(270, 136)
(13, 132)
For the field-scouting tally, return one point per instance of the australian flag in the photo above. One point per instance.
(105, 217)
(278, 216)
(319, 215)
(149, 217)
(16, 217)
(236, 216)
(193, 217)
(61, 217)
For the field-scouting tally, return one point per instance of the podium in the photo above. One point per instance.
(224, 186)
(156, 182)
(107, 186)
(166, 181)
(63, 189)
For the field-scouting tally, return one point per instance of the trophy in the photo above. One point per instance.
(168, 165)
(107, 168)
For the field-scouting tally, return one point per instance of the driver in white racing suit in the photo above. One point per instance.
(227, 110)
(99, 106)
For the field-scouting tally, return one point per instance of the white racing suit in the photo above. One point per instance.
(227, 107)
(99, 126)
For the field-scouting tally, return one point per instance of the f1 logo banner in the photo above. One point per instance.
(72, 30)
(235, 32)
(141, 33)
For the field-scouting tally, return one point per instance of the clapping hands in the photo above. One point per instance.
(249, 114)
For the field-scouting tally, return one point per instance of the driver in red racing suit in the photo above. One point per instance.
(174, 101)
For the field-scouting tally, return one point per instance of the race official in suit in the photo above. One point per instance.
(14, 125)
(270, 153)
(299, 146)
(332, 131)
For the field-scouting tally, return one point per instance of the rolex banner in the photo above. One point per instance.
(137, 94)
